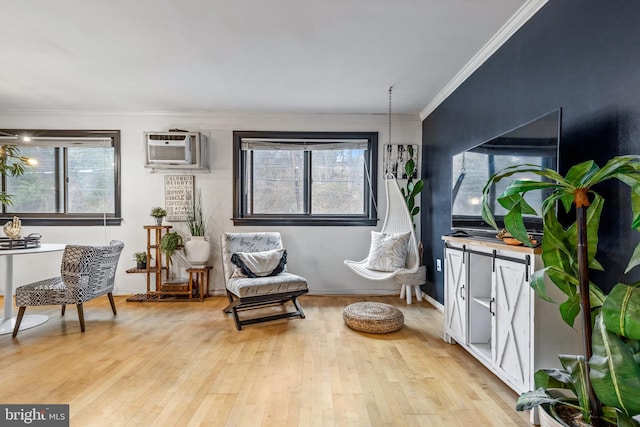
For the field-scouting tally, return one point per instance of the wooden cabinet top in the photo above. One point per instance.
(493, 243)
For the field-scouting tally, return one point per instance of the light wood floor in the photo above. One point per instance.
(185, 364)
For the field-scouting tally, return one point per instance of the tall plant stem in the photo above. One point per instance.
(585, 305)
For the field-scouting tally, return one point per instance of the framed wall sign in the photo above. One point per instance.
(396, 157)
(178, 196)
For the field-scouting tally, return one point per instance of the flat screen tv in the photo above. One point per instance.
(535, 142)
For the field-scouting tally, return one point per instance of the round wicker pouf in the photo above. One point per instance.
(373, 317)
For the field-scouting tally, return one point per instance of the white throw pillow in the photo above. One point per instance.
(388, 252)
(260, 264)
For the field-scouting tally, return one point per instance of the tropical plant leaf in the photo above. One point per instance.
(566, 282)
(610, 169)
(514, 223)
(567, 200)
(532, 399)
(409, 167)
(615, 375)
(635, 259)
(621, 311)
(576, 366)
(623, 420)
(553, 378)
(596, 296)
(417, 187)
(579, 175)
(594, 212)
(570, 309)
(538, 284)
(487, 214)
(522, 186)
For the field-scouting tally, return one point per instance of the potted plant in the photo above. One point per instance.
(197, 248)
(11, 164)
(607, 374)
(158, 213)
(169, 243)
(141, 260)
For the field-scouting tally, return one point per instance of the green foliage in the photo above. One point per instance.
(169, 243)
(196, 221)
(614, 367)
(11, 164)
(158, 212)
(141, 257)
(413, 189)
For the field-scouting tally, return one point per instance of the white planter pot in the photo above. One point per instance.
(197, 250)
(547, 420)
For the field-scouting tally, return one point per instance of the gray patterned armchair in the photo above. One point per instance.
(86, 273)
(254, 268)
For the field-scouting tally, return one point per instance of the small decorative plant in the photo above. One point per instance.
(169, 243)
(196, 220)
(158, 213)
(140, 256)
(141, 259)
(606, 379)
(11, 164)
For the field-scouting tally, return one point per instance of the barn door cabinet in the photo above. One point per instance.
(491, 310)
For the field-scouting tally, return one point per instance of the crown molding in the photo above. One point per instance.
(529, 9)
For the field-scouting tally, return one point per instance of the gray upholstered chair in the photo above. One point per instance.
(244, 293)
(86, 272)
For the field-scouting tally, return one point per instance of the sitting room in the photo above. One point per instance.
(298, 214)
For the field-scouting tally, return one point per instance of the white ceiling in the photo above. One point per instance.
(323, 56)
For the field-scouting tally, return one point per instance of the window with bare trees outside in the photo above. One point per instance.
(305, 178)
(72, 177)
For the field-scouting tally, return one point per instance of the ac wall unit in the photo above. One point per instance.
(176, 150)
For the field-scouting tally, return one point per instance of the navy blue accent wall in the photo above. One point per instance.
(580, 55)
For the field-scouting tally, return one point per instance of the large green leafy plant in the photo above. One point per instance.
(609, 371)
(11, 164)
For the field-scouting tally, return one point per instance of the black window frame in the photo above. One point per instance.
(68, 219)
(368, 218)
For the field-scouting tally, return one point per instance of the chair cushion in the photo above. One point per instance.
(260, 264)
(388, 252)
(249, 287)
(48, 292)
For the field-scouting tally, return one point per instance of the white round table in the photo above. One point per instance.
(31, 320)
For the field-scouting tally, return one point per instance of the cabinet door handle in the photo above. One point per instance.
(462, 292)
(493, 313)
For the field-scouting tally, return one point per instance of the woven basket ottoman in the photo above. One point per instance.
(373, 317)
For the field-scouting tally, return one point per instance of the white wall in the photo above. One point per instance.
(316, 253)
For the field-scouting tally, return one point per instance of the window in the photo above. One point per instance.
(305, 178)
(74, 178)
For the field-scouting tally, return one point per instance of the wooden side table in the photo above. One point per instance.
(199, 277)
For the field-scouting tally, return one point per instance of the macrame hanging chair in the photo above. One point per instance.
(397, 220)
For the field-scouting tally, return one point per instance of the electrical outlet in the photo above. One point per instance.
(438, 264)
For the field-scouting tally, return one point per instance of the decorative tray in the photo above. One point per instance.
(29, 242)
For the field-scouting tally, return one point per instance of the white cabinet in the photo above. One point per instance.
(456, 315)
(491, 310)
(511, 326)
